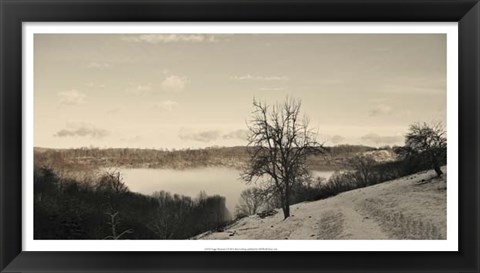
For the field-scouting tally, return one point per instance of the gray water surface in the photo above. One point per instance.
(189, 182)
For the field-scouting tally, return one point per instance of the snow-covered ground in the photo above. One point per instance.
(382, 155)
(412, 207)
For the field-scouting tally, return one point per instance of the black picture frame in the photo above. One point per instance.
(14, 12)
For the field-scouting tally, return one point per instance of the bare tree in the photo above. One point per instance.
(363, 167)
(112, 181)
(279, 144)
(113, 222)
(251, 200)
(428, 142)
(165, 223)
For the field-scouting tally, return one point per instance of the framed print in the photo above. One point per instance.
(239, 136)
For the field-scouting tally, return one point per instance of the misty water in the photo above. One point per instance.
(189, 182)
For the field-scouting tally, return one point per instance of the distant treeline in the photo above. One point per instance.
(231, 157)
(104, 208)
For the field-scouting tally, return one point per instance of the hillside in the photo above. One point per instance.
(411, 207)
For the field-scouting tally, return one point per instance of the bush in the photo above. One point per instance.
(362, 171)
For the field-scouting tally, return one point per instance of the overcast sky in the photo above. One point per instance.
(190, 91)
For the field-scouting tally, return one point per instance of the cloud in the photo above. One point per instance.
(377, 139)
(82, 130)
(71, 97)
(204, 136)
(133, 139)
(337, 139)
(382, 49)
(140, 89)
(381, 109)
(212, 135)
(378, 100)
(170, 38)
(173, 83)
(416, 86)
(271, 88)
(114, 110)
(259, 78)
(416, 90)
(98, 65)
(241, 134)
(95, 85)
(166, 105)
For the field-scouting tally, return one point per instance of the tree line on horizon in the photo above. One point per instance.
(84, 159)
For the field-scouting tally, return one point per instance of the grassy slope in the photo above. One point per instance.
(412, 207)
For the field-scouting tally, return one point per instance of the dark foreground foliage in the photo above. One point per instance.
(104, 208)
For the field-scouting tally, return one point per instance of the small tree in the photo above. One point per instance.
(113, 223)
(279, 144)
(45, 182)
(363, 167)
(251, 200)
(429, 142)
(112, 181)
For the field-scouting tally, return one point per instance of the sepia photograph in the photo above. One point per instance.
(211, 136)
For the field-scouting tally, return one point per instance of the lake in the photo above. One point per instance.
(189, 182)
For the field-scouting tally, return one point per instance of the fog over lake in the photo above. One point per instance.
(189, 182)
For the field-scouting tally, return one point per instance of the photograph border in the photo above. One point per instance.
(14, 12)
(424, 29)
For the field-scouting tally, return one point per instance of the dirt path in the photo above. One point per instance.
(344, 222)
(357, 226)
(334, 221)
